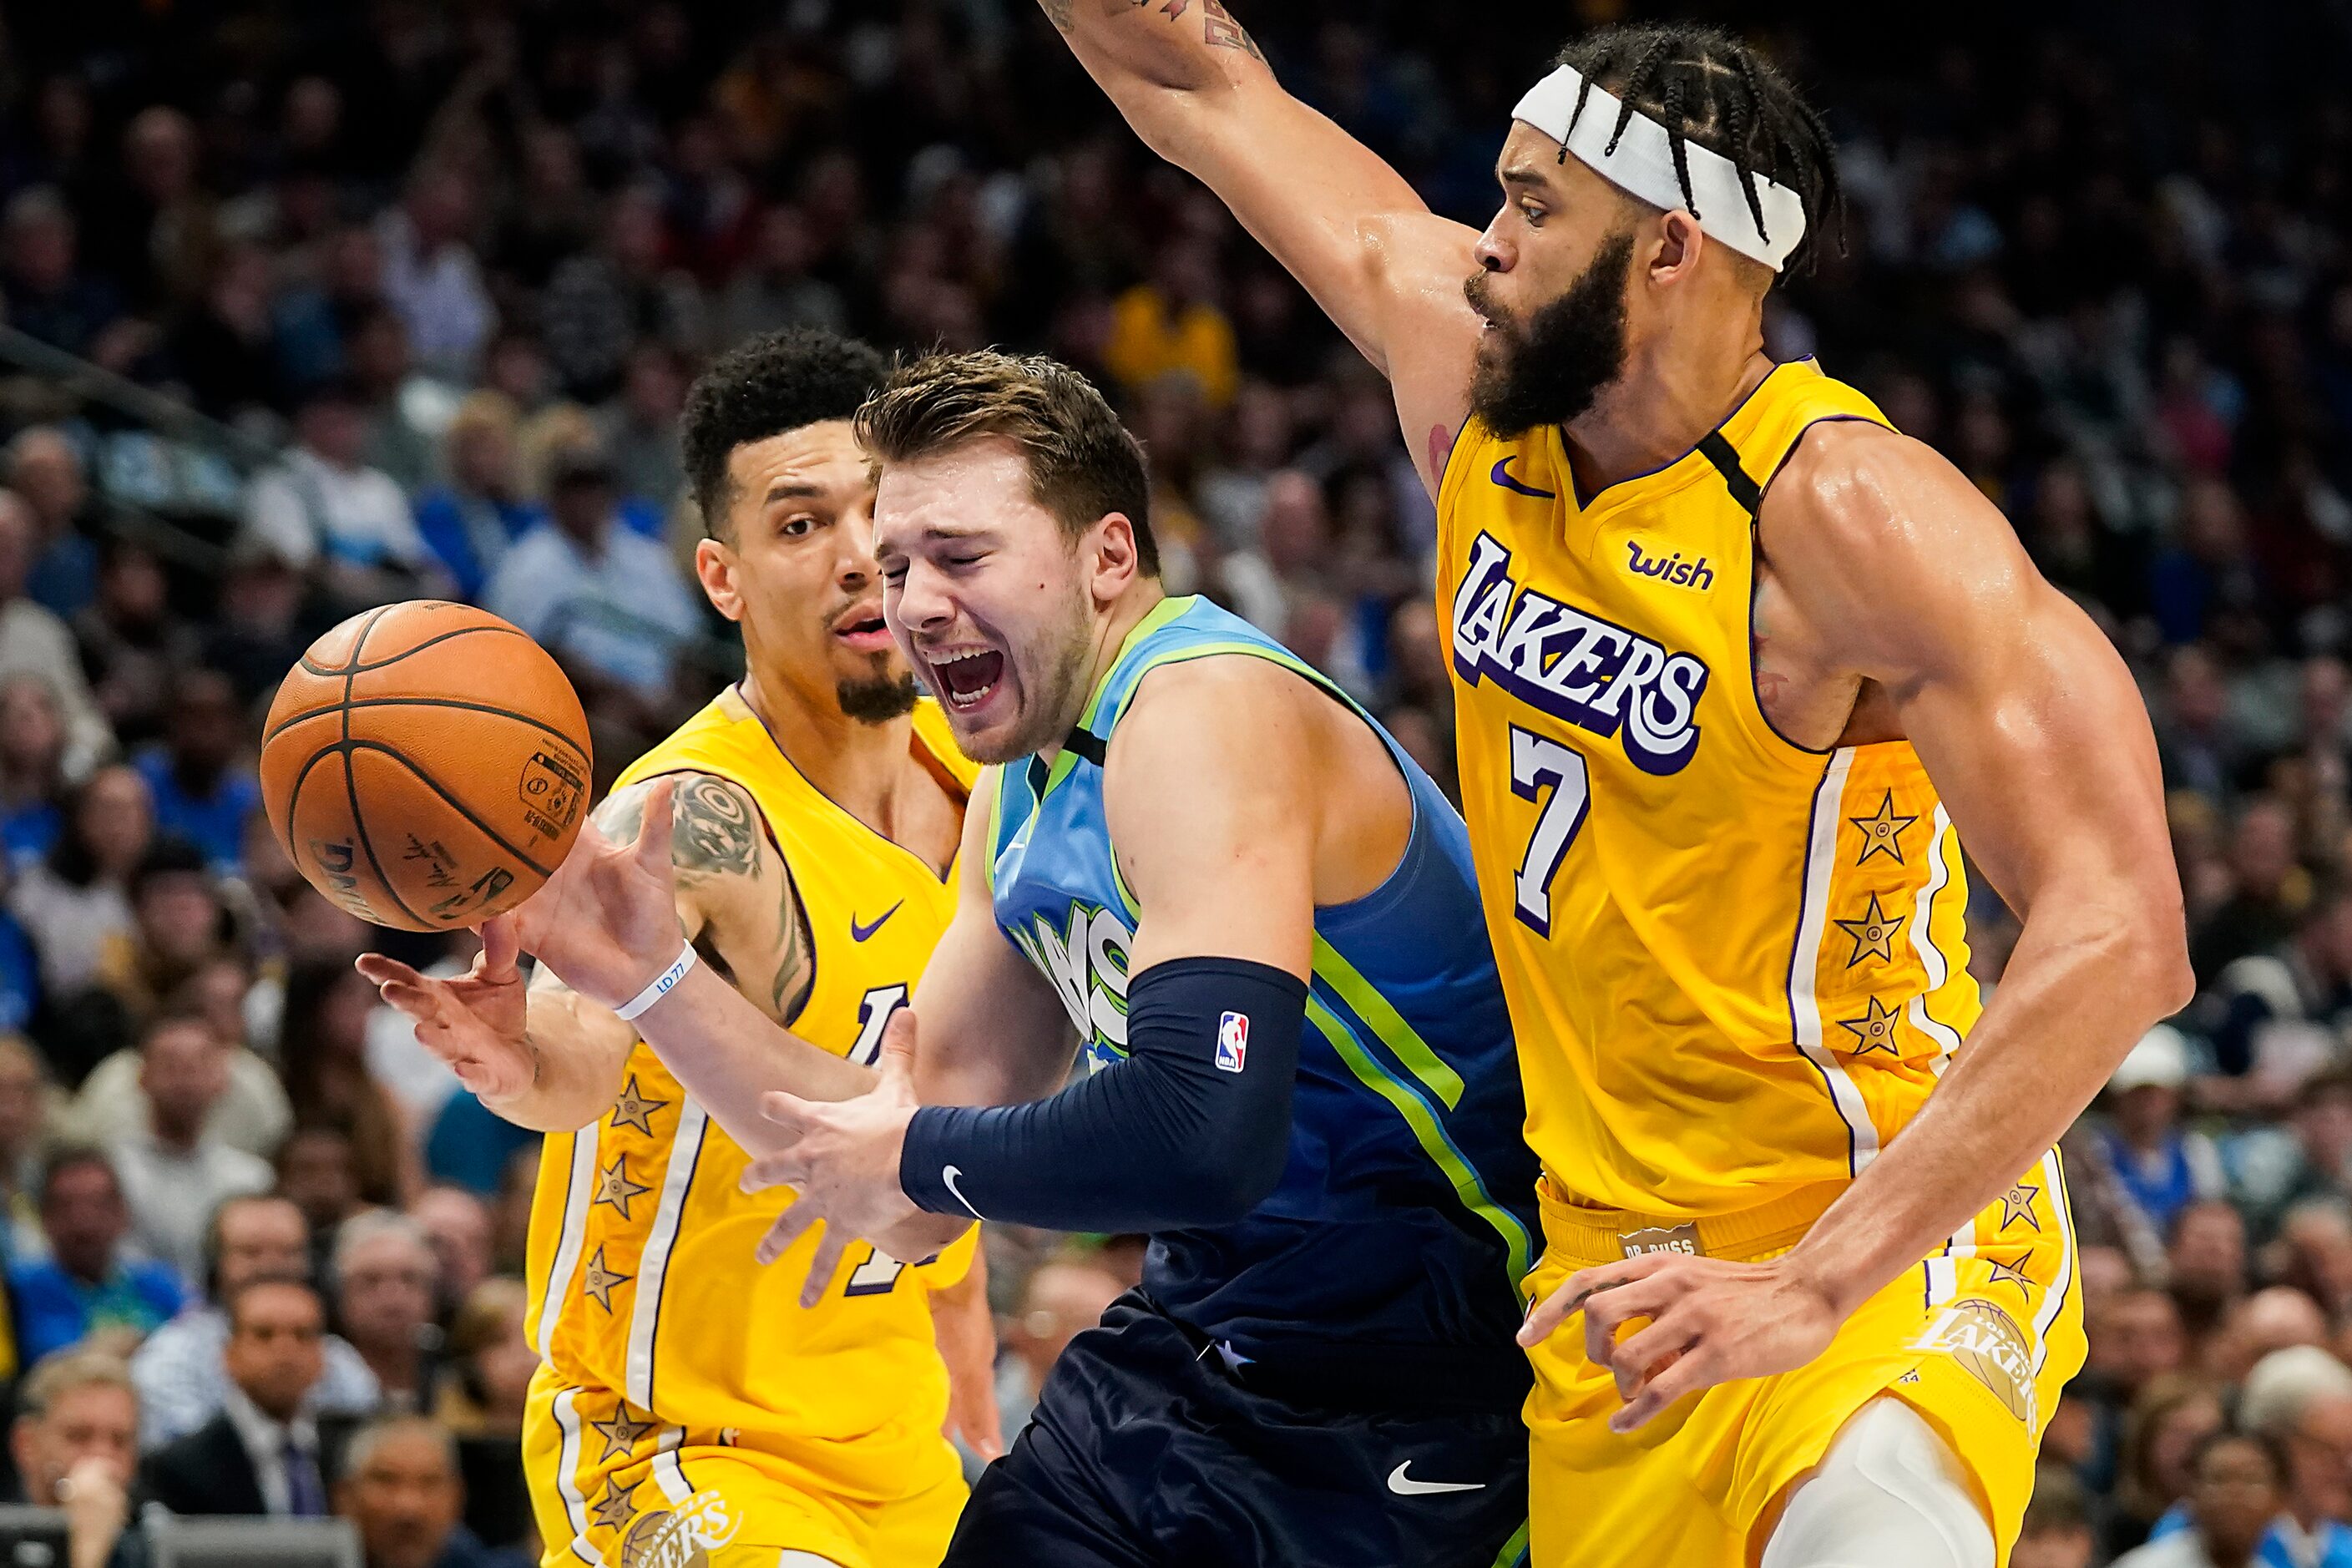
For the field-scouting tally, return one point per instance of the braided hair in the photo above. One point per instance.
(1706, 87)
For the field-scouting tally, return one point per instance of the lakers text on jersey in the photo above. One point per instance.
(684, 1395)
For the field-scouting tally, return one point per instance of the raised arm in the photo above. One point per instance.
(1195, 87)
(2040, 748)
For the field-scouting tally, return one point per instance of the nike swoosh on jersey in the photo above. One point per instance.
(948, 1174)
(1502, 476)
(1405, 1486)
(860, 933)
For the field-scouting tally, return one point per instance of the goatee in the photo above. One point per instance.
(1549, 371)
(879, 700)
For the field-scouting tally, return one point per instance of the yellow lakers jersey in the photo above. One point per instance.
(643, 1282)
(1736, 966)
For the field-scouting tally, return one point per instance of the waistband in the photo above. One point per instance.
(1353, 1379)
(1585, 1233)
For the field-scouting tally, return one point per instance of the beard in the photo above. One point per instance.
(879, 698)
(1549, 371)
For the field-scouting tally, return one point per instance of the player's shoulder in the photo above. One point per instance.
(1861, 494)
(1225, 715)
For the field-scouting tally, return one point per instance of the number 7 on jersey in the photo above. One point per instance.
(1545, 771)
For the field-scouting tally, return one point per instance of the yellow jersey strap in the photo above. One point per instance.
(1750, 447)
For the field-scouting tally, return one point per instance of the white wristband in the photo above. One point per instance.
(636, 1006)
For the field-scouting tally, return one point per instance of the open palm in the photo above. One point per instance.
(605, 922)
(474, 1022)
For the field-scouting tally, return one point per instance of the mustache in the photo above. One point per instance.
(1479, 291)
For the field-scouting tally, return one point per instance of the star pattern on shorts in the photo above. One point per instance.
(614, 1509)
(1873, 933)
(1873, 1031)
(2005, 1273)
(616, 1189)
(633, 1110)
(1883, 833)
(2017, 1204)
(598, 1283)
(621, 1437)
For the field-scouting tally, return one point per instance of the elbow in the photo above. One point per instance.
(1229, 1179)
(2165, 976)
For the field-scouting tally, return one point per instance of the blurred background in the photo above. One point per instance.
(304, 308)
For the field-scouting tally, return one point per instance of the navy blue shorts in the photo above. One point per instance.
(1145, 1453)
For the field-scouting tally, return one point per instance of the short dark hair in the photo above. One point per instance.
(762, 388)
(2269, 1447)
(65, 1157)
(1710, 90)
(232, 1303)
(1083, 463)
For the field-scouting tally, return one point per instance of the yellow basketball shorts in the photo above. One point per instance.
(611, 1488)
(1979, 1338)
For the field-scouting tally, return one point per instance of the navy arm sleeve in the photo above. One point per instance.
(1193, 1128)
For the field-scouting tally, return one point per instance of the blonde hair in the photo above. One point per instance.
(60, 1373)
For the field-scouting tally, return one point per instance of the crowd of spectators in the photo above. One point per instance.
(435, 278)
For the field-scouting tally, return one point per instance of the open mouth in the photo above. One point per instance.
(864, 631)
(965, 680)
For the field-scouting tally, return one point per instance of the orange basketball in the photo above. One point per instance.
(425, 765)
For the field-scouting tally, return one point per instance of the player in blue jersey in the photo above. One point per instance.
(1259, 915)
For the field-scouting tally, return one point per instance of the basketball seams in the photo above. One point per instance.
(351, 779)
(357, 669)
(345, 707)
(451, 801)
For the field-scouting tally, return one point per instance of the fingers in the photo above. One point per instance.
(789, 1111)
(1639, 1357)
(790, 1226)
(653, 845)
(501, 944)
(782, 1169)
(824, 1265)
(898, 1060)
(1695, 1372)
(1569, 1300)
(381, 970)
(1610, 1307)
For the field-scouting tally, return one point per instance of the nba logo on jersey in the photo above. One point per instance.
(1233, 1042)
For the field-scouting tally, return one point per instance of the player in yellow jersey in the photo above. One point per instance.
(688, 1403)
(1738, 669)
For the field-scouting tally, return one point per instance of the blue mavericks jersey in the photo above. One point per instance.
(1406, 1215)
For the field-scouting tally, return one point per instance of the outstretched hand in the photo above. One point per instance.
(606, 922)
(844, 1159)
(474, 1022)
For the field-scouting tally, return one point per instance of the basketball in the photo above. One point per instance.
(424, 764)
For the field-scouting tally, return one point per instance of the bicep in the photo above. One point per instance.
(735, 900)
(992, 1030)
(1210, 792)
(2020, 711)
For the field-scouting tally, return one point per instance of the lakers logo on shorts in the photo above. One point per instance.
(1981, 1336)
(680, 1537)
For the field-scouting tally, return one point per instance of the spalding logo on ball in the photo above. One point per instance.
(425, 765)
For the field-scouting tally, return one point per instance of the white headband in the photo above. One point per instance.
(1641, 163)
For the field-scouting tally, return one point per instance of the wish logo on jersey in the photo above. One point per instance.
(1085, 959)
(1597, 676)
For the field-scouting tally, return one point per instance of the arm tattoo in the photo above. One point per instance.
(793, 940)
(1219, 30)
(714, 834)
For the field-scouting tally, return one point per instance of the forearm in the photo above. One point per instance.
(2068, 1008)
(1145, 58)
(1190, 1130)
(728, 1054)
